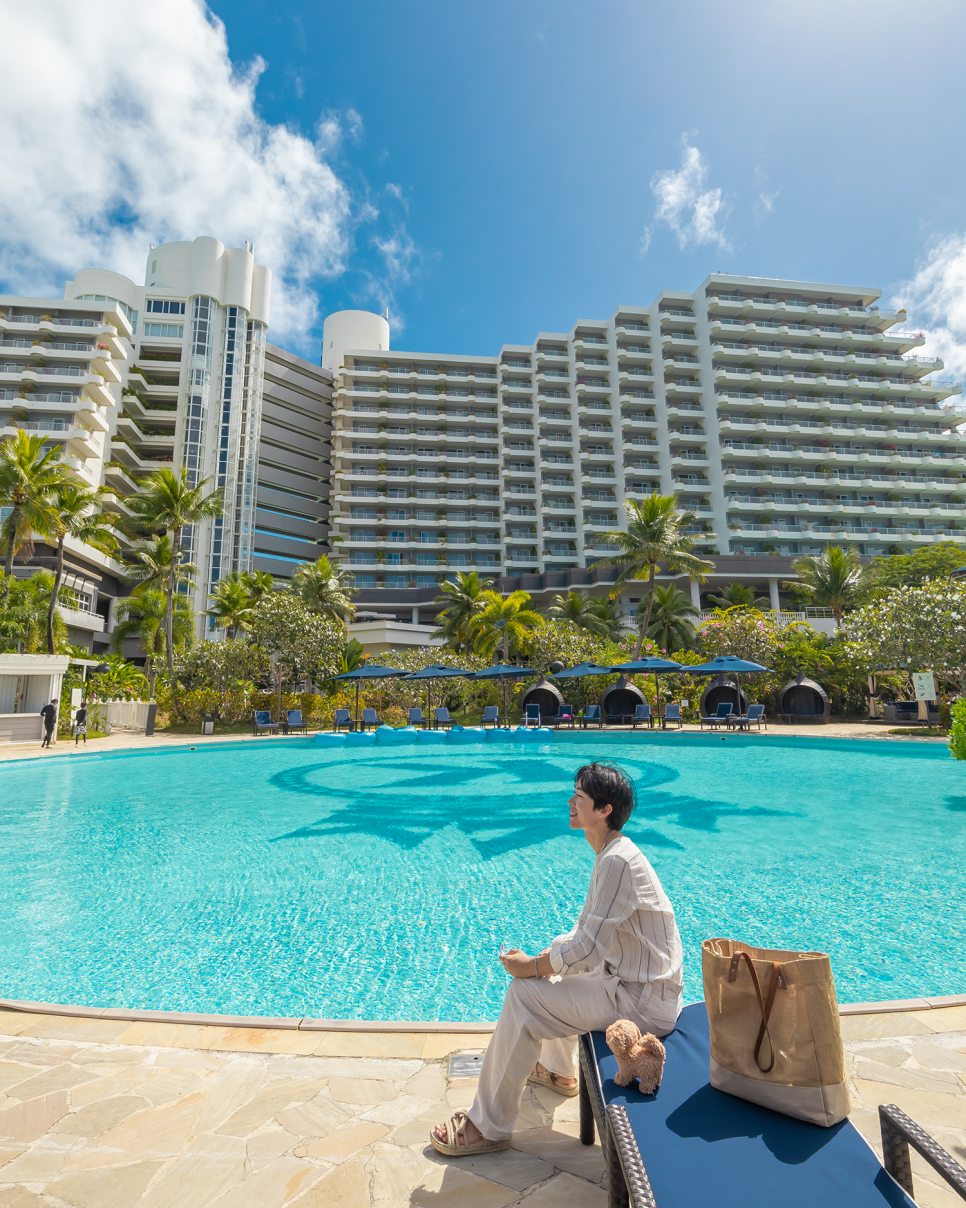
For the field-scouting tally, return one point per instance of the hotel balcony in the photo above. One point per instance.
(852, 477)
(731, 304)
(633, 327)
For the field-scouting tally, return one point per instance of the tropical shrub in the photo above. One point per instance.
(957, 731)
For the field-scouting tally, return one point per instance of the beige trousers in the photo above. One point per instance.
(540, 1021)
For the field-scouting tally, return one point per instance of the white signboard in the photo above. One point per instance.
(924, 684)
(76, 696)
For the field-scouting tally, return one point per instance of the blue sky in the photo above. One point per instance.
(489, 171)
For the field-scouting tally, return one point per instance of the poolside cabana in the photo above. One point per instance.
(620, 700)
(804, 702)
(548, 696)
(722, 690)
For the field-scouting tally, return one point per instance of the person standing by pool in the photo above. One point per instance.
(621, 960)
(80, 725)
(49, 714)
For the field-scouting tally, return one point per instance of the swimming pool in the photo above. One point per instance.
(279, 878)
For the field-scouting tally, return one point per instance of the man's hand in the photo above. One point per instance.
(518, 964)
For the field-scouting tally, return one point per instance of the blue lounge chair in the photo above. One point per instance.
(640, 714)
(369, 718)
(725, 709)
(262, 723)
(689, 1144)
(442, 718)
(343, 718)
(416, 717)
(565, 714)
(293, 722)
(531, 715)
(491, 715)
(754, 717)
(673, 713)
(592, 713)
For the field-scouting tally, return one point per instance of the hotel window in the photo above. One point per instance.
(158, 307)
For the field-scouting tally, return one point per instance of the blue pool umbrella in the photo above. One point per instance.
(578, 672)
(727, 664)
(504, 672)
(658, 666)
(435, 671)
(368, 671)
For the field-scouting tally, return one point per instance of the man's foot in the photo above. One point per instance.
(470, 1136)
(461, 1137)
(557, 1082)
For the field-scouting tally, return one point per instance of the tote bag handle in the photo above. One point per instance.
(764, 1005)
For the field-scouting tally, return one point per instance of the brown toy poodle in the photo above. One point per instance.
(638, 1056)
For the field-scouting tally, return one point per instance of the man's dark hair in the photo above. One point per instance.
(608, 785)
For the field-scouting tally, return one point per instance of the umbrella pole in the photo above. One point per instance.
(657, 694)
(357, 704)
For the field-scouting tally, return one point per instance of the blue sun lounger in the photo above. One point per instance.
(689, 1145)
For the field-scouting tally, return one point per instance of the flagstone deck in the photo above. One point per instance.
(138, 742)
(99, 1113)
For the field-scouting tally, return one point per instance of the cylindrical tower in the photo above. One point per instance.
(352, 329)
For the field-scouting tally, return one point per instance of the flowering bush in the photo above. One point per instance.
(915, 629)
(744, 632)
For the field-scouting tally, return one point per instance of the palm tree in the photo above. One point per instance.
(24, 612)
(151, 565)
(654, 535)
(168, 502)
(464, 600)
(576, 607)
(834, 579)
(145, 616)
(232, 606)
(259, 583)
(607, 613)
(503, 622)
(28, 477)
(736, 595)
(670, 625)
(77, 515)
(351, 656)
(324, 588)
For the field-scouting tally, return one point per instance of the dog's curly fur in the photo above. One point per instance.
(638, 1056)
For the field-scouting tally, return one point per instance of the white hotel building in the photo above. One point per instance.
(128, 378)
(785, 414)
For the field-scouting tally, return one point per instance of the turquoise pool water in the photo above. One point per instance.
(279, 878)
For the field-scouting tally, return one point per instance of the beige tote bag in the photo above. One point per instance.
(775, 1036)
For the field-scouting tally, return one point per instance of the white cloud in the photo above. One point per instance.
(936, 301)
(142, 131)
(399, 252)
(691, 211)
(765, 204)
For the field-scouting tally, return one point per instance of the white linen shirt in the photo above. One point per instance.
(626, 928)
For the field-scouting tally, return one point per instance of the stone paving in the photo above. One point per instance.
(138, 742)
(111, 1114)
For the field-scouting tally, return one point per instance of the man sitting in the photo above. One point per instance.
(622, 960)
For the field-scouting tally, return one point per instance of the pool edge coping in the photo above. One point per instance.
(309, 1024)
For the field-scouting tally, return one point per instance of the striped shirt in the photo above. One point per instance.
(626, 928)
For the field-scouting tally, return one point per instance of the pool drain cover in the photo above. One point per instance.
(465, 1065)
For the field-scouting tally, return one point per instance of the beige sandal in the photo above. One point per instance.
(550, 1081)
(455, 1130)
